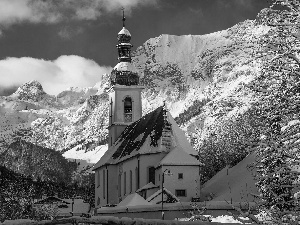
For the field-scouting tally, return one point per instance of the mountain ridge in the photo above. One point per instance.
(202, 78)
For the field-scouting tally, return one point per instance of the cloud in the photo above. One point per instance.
(67, 32)
(248, 4)
(55, 76)
(53, 11)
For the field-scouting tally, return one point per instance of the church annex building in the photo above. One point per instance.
(143, 152)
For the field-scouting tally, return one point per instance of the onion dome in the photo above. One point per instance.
(124, 73)
(124, 36)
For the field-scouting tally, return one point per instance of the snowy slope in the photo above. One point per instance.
(201, 77)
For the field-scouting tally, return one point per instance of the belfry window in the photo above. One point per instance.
(128, 109)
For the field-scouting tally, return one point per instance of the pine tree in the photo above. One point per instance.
(278, 107)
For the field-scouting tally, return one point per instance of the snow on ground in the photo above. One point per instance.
(221, 219)
(225, 219)
(90, 156)
(235, 184)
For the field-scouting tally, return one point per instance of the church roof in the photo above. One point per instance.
(168, 197)
(124, 31)
(145, 137)
(236, 183)
(133, 200)
(147, 187)
(134, 136)
(178, 157)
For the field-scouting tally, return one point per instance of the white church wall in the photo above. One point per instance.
(131, 183)
(105, 189)
(147, 161)
(188, 181)
(120, 94)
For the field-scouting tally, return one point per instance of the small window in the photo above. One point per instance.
(98, 201)
(151, 175)
(104, 184)
(119, 186)
(128, 109)
(136, 178)
(124, 183)
(98, 178)
(180, 193)
(127, 105)
(130, 190)
(180, 175)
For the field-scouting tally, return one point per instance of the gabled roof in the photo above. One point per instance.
(168, 197)
(149, 127)
(236, 183)
(134, 136)
(180, 138)
(50, 200)
(147, 187)
(145, 137)
(133, 200)
(178, 157)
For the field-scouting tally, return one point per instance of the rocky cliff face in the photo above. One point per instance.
(202, 78)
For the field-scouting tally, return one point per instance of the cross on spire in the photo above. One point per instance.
(123, 17)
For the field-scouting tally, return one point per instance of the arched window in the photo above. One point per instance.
(124, 183)
(119, 184)
(104, 184)
(128, 109)
(98, 178)
(151, 174)
(136, 179)
(130, 177)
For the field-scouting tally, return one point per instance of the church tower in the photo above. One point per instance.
(125, 93)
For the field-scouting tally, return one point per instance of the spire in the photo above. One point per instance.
(123, 17)
(124, 73)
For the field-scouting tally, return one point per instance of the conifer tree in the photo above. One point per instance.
(278, 107)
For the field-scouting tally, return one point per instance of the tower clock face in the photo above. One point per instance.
(128, 117)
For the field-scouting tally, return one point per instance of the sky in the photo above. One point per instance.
(66, 43)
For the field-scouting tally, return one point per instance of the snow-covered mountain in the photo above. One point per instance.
(74, 119)
(201, 77)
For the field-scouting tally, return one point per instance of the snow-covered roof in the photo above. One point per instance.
(133, 200)
(156, 197)
(179, 157)
(124, 31)
(147, 187)
(179, 136)
(51, 199)
(125, 66)
(236, 183)
(145, 137)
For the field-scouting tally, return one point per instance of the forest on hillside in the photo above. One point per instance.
(271, 127)
(18, 193)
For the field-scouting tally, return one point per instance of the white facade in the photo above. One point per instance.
(119, 119)
(183, 182)
(141, 148)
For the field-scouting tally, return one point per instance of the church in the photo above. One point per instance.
(146, 154)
